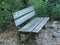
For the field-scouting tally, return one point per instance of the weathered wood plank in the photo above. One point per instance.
(22, 12)
(30, 28)
(35, 20)
(39, 27)
(24, 18)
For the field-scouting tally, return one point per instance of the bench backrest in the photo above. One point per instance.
(23, 15)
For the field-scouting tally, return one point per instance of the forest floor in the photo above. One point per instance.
(8, 38)
(45, 37)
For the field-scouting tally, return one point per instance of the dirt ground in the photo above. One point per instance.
(8, 38)
(45, 37)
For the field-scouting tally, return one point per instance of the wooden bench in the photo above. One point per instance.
(34, 26)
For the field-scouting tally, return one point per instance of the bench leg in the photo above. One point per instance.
(44, 27)
(18, 36)
(37, 39)
(32, 40)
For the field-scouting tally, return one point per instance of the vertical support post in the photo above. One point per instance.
(18, 38)
(44, 27)
(32, 40)
(37, 38)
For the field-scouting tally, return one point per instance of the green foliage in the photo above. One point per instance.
(40, 6)
(46, 8)
(7, 7)
(56, 11)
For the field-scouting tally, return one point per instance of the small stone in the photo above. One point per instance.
(54, 25)
(1, 41)
(55, 22)
(56, 34)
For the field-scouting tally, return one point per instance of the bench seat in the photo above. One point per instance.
(34, 25)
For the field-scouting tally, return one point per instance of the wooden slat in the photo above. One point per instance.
(30, 28)
(39, 27)
(24, 18)
(35, 20)
(22, 12)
